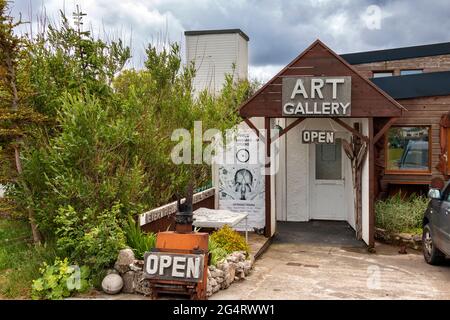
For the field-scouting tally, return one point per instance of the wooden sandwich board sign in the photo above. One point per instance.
(173, 266)
(178, 264)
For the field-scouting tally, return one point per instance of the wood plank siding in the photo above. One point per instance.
(423, 111)
(318, 60)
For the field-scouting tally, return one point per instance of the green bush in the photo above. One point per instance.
(60, 280)
(19, 259)
(217, 252)
(138, 240)
(397, 214)
(229, 240)
(88, 238)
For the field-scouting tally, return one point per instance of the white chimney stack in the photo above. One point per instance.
(214, 53)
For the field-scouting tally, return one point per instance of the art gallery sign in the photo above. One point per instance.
(316, 96)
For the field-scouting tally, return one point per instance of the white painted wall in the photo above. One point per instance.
(214, 56)
(292, 183)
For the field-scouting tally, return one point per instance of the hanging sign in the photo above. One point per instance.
(317, 136)
(316, 97)
(171, 266)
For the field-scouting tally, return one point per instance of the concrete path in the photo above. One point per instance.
(333, 269)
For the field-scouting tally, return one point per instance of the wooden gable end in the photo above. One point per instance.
(318, 60)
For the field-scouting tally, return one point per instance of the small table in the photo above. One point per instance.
(212, 218)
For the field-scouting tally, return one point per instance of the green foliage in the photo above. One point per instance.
(19, 259)
(90, 238)
(60, 280)
(217, 252)
(396, 214)
(100, 151)
(138, 240)
(229, 240)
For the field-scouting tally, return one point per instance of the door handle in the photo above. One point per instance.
(447, 211)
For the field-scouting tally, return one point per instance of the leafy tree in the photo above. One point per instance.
(15, 115)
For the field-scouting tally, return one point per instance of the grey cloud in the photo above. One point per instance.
(280, 30)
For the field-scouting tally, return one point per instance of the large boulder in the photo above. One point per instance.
(124, 260)
(112, 283)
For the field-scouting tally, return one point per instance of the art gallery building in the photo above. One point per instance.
(352, 128)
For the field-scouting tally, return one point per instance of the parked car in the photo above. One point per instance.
(436, 226)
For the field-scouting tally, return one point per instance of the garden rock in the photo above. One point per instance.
(142, 285)
(129, 284)
(234, 267)
(112, 283)
(124, 259)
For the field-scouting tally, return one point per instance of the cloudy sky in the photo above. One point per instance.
(278, 29)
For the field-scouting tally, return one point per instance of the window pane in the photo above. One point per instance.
(381, 74)
(408, 148)
(410, 71)
(329, 161)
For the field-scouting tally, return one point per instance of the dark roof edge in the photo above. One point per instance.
(398, 53)
(217, 31)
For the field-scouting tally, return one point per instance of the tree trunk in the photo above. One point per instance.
(37, 237)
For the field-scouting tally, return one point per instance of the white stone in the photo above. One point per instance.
(112, 283)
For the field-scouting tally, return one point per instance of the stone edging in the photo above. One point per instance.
(406, 239)
(235, 267)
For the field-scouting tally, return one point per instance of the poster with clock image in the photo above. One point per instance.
(241, 184)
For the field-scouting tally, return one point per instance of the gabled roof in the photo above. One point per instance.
(318, 60)
(416, 85)
(398, 53)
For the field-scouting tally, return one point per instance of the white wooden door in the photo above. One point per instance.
(327, 182)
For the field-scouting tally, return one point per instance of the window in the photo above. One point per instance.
(410, 71)
(407, 149)
(329, 161)
(381, 74)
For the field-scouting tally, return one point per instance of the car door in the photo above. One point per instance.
(443, 222)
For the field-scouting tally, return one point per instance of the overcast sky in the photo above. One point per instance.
(278, 29)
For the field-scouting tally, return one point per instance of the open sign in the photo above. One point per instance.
(171, 266)
(317, 136)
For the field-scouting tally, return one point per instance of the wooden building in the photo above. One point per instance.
(400, 100)
(386, 113)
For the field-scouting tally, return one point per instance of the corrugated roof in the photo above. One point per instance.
(217, 31)
(398, 53)
(416, 85)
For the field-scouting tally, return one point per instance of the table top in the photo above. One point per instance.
(211, 218)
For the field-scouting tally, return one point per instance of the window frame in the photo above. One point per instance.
(412, 171)
(417, 69)
(382, 71)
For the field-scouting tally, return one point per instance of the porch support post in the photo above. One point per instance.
(384, 129)
(371, 185)
(267, 187)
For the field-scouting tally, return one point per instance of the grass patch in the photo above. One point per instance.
(397, 214)
(19, 259)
